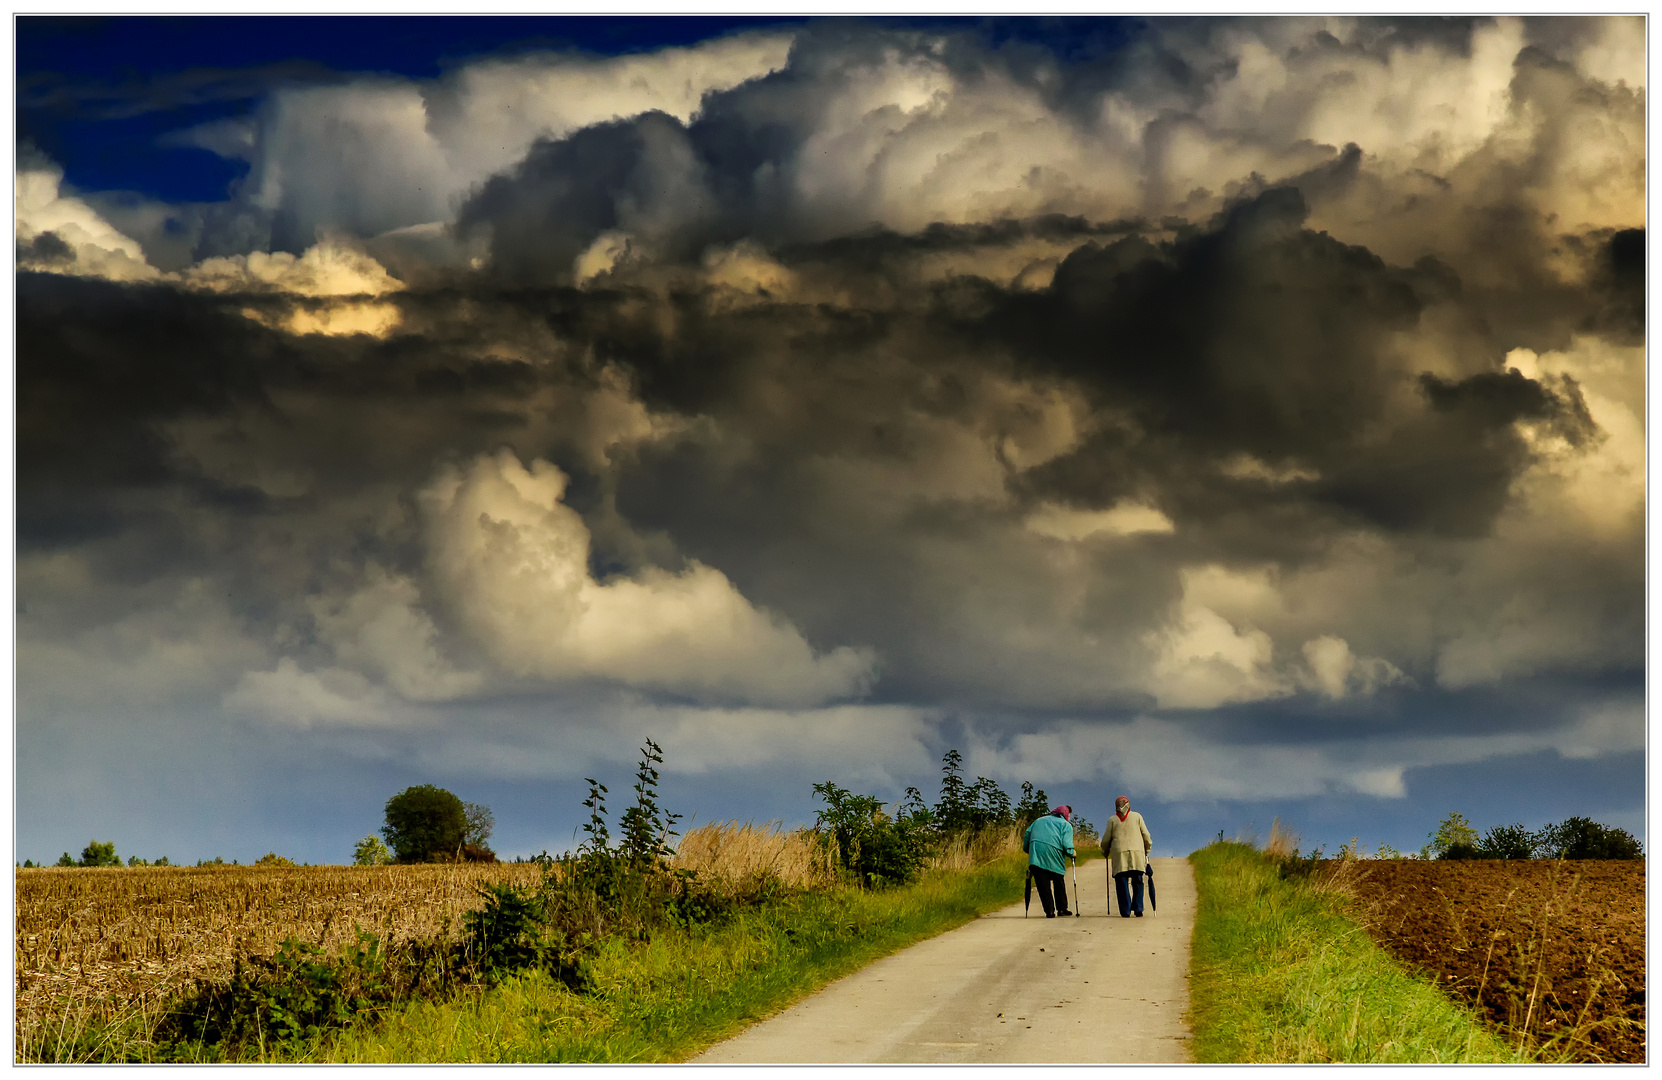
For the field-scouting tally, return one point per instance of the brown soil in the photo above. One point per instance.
(1551, 952)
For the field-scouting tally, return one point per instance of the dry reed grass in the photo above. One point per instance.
(967, 851)
(1283, 841)
(103, 945)
(736, 858)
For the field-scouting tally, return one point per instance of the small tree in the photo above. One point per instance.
(424, 823)
(1032, 806)
(914, 813)
(1454, 834)
(480, 824)
(646, 826)
(371, 852)
(134, 860)
(97, 854)
(955, 810)
(990, 806)
(66, 860)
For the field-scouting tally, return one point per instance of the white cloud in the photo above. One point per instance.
(382, 628)
(62, 234)
(1122, 519)
(329, 268)
(1202, 658)
(513, 561)
(1337, 672)
(304, 699)
(376, 155)
(1247, 467)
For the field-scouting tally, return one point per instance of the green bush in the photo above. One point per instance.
(1583, 838)
(1508, 842)
(371, 852)
(875, 848)
(97, 854)
(300, 994)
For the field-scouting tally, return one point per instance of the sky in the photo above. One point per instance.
(1243, 415)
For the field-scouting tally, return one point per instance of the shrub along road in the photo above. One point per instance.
(1007, 989)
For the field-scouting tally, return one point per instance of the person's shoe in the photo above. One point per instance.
(1138, 914)
(1050, 914)
(1064, 914)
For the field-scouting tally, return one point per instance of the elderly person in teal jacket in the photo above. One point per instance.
(1046, 841)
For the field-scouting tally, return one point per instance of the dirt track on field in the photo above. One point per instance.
(1552, 952)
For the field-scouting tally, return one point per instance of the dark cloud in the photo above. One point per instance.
(1306, 464)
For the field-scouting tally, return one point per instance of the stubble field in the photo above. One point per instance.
(1552, 953)
(100, 942)
(96, 946)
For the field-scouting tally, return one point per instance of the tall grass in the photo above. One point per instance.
(669, 998)
(1281, 974)
(734, 858)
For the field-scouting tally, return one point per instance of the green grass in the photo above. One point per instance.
(671, 998)
(1281, 974)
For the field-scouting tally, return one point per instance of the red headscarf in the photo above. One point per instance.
(1065, 812)
(1122, 807)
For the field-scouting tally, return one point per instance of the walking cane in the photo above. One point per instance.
(1076, 886)
(1027, 898)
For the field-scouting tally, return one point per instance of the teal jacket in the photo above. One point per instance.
(1046, 840)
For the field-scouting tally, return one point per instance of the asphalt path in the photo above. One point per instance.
(1092, 989)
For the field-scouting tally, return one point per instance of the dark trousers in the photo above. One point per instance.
(1049, 883)
(1128, 890)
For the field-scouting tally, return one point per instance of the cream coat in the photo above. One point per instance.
(1127, 843)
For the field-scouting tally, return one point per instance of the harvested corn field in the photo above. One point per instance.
(1551, 952)
(110, 939)
(94, 945)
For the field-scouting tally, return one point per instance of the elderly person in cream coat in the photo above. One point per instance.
(1127, 844)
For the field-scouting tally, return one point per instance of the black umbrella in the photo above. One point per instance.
(1027, 898)
(1149, 869)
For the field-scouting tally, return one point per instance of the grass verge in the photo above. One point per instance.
(671, 997)
(1281, 974)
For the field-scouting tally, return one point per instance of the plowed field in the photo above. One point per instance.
(1551, 952)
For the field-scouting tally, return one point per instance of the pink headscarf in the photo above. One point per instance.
(1064, 811)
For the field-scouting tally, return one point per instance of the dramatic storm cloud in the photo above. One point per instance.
(1248, 416)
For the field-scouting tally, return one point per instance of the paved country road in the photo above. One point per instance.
(1097, 988)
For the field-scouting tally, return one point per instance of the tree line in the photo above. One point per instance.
(1572, 838)
(426, 823)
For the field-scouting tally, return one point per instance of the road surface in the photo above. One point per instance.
(1097, 988)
